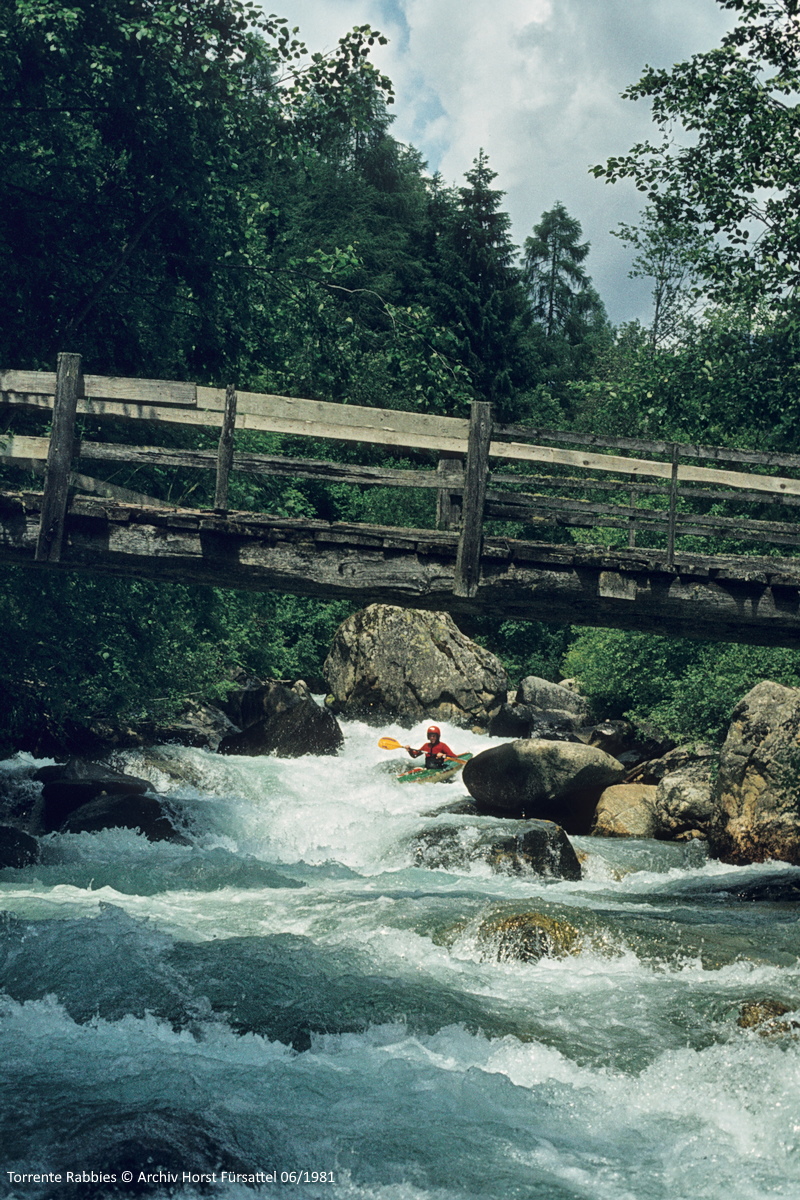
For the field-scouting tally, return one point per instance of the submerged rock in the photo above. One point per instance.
(626, 810)
(529, 936)
(549, 781)
(508, 847)
(394, 664)
(764, 1017)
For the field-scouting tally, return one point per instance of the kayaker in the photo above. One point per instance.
(435, 751)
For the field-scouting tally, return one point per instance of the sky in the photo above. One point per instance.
(536, 84)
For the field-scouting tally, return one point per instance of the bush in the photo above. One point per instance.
(686, 688)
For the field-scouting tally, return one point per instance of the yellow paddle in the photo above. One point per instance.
(389, 743)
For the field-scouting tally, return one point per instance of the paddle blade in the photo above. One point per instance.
(388, 743)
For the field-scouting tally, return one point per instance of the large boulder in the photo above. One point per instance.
(507, 847)
(548, 781)
(284, 721)
(524, 721)
(626, 810)
(395, 664)
(654, 769)
(757, 790)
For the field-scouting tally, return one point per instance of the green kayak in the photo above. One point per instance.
(434, 775)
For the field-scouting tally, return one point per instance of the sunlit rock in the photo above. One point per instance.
(684, 804)
(764, 1016)
(757, 790)
(626, 810)
(529, 936)
(548, 781)
(395, 664)
(542, 694)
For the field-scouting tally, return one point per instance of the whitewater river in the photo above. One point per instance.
(291, 994)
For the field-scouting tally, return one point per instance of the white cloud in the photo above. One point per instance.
(536, 83)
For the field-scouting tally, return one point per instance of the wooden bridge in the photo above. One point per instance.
(606, 530)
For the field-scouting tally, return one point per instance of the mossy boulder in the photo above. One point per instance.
(528, 936)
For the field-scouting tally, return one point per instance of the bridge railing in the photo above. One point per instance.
(542, 480)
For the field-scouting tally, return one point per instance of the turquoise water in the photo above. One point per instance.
(290, 994)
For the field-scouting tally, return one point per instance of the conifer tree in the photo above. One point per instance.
(481, 291)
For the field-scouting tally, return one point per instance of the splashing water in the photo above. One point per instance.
(291, 1000)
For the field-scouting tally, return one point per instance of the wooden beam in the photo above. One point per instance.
(102, 387)
(748, 599)
(21, 449)
(225, 450)
(88, 485)
(468, 560)
(59, 459)
(448, 498)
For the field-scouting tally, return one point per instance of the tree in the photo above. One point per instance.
(735, 174)
(570, 322)
(559, 288)
(477, 287)
(668, 254)
(140, 145)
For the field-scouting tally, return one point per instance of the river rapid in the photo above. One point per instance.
(291, 998)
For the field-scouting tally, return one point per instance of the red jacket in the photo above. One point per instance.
(432, 753)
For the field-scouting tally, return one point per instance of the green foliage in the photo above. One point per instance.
(87, 646)
(686, 688)
(726, 164)
(668, 254)
(524, 647)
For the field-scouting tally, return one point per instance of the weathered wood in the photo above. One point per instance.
(448, 499)
(59, 458)
(225, 450)
(673, 505)
(765, 458)
(280, 414)
(103, 387)
(17, 386)
(16, 448)
(747, 599)
(101, 487)
(476, 473)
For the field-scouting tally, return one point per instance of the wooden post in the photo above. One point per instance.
(632, 525)
(468, 560)
(448, 504)
(673, 506)
(225, 451)
(59, 458)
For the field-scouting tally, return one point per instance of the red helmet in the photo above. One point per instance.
(434, 729)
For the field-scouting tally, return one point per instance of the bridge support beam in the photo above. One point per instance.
(721, 599)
